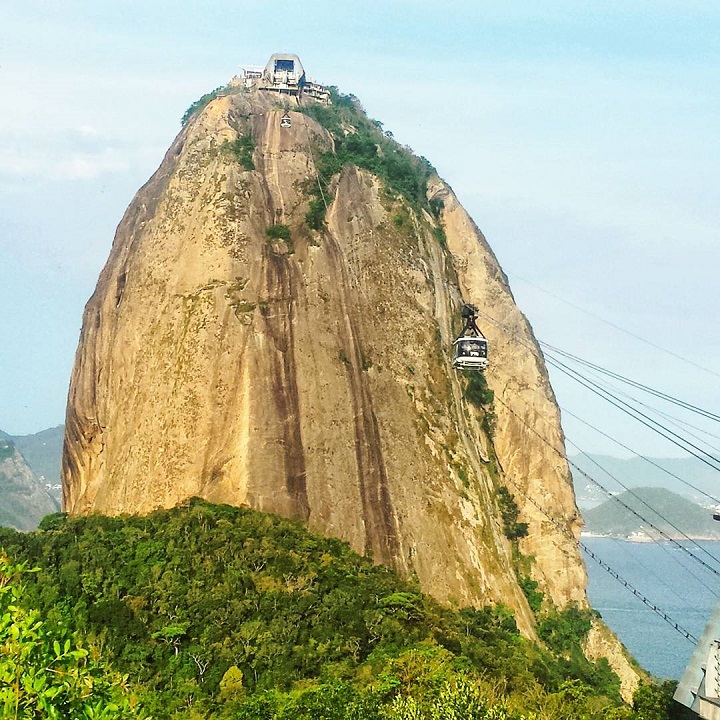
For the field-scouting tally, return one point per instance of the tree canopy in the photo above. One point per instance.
(222, 612)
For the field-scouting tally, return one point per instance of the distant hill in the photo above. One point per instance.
(24, 500)
(667, 511)
(43, 453)
(636, 472)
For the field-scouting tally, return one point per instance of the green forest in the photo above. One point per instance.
(209, 611)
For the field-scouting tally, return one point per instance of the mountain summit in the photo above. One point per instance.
(273, 328)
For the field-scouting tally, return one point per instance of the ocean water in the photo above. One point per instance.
(671, 580)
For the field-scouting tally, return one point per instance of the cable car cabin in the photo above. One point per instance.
(470, 352)
(285, 121)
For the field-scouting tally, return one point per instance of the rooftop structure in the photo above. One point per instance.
(284, 73)
(252, 72)
(317, 91)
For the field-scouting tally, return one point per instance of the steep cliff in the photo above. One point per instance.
(233, 352)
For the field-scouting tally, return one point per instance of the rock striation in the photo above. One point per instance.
(232, 352)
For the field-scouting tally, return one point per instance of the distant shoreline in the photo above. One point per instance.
(643, 538)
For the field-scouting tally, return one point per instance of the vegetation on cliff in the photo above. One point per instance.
(360, 141)
(220, 612)
(242, 149)
(201, 103)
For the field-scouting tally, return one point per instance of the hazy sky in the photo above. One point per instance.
(582, 138)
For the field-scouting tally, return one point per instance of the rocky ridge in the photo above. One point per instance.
(24, 501)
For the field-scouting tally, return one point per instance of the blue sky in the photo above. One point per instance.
(583, 139)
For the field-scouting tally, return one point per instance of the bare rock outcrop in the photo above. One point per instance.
(307, 374)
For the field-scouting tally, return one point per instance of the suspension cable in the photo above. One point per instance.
(658, 393)
(312, 160)
(680, 424)
(624, 407)
(646, 601)
(669, 398)
(687, 635)
(616, 498)
(677, 423)
(618, 327)
(632, 450)
(566, 531)
(617, 394)
(643, 418)
(533, 349)
(625, 505)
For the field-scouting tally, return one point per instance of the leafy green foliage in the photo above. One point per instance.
(315, 216)
(222, 612)
(202, 102)
(437, 205)
(477, 391)
(242, 147)
(509, 513)
(534, 596)
(360, 141)
(45, 672)
(53, 522)
(278, 232)
(654, 702)
(564, 631)
(281, 232)
(440, 236)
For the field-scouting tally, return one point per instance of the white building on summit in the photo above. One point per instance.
(284, 73)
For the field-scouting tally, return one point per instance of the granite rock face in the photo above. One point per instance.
(310, 376)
